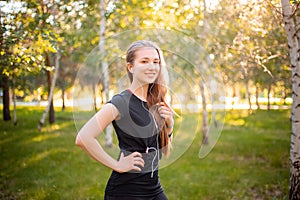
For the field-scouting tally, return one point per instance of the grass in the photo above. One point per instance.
(249, 161)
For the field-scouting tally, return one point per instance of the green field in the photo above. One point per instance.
(249, 161)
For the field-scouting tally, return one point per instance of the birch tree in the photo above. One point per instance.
(104, 66)
(293, 43)
(50, 106)
(50, 96)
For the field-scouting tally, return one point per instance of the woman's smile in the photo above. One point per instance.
(151, 74)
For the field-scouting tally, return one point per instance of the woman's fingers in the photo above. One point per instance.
(140, 161)
(136, 154)
(165, 112)
(133, 161)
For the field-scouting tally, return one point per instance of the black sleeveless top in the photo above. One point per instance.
(136, 131)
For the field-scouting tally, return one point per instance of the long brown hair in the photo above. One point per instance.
(156, 91)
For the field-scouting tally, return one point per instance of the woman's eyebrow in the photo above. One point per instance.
(149, 58)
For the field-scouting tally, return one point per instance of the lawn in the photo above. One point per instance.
(249, 161)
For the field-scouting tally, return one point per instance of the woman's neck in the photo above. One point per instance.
(139, 91)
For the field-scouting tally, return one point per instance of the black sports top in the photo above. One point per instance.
(136, 131)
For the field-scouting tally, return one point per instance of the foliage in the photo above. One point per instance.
(245, 39)
(24, 42)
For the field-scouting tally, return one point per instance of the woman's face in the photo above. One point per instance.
(146, 66)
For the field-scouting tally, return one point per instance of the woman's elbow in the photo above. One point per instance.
(78, 141)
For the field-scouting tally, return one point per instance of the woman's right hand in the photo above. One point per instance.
(133, 161)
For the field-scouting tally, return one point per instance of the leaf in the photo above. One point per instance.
(27, 59)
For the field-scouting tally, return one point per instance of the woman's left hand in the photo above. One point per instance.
(166, 113)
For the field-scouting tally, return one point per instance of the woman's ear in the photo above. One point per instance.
(129, 67)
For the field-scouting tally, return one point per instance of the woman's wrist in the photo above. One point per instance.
(115, 166)
(170, 125)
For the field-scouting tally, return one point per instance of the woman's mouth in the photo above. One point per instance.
(150, 74)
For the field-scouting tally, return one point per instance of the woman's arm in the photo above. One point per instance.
(86, 139)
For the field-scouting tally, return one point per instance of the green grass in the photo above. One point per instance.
(249, 161)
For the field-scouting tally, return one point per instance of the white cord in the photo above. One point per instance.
(156, 155)
(155, 149)
(152, 164)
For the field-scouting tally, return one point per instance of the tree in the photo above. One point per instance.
(22, 46)
(66, 77)
(51, 91)
(291, 22)
(50, 12)
(104, 66)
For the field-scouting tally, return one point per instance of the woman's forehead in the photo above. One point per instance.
(146, 52)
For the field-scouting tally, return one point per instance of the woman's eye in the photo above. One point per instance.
(144, 61)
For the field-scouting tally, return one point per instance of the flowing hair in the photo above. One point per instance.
(156, 91)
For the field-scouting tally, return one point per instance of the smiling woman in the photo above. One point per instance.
(143, 123)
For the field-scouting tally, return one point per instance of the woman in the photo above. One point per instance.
(143, 123)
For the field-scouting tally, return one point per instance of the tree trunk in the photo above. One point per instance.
(50, 97)
(204, 115)
(248, 96)
(104, 65)
(246, 81)
(95, 97)
(63, 99)
(257, 95)
(51, 109)
(233, 97)
(170, 64)
(205, 136)
(4, 82)
(297, 25)
(6, 103)
(269, 93)
(14, 100)
(293, 44)
(284, 96)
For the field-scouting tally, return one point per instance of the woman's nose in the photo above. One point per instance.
(152, 65)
